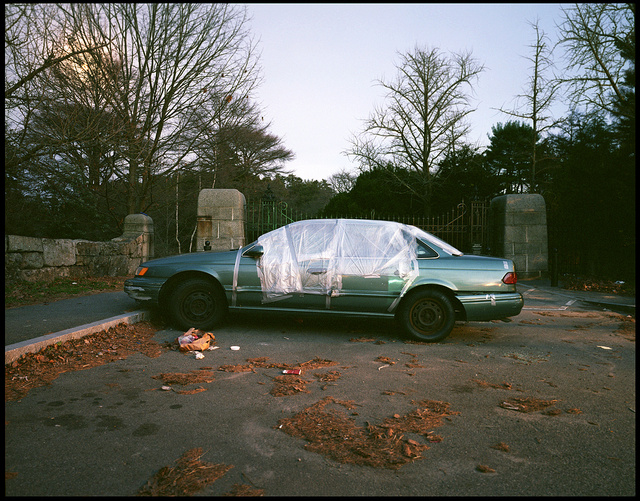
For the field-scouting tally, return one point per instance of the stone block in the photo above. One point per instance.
(86, 248)
(16, 243)
(528, 217)
(58, 252)
(537, 233)
(32, 260)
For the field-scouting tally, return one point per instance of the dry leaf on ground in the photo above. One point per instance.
(188, 476)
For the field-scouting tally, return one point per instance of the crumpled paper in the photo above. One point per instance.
(195, 340)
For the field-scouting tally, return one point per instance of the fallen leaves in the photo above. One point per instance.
(334, 434)
(183, 379)
(501, 447)
(33, 370)
(189, 476)
(500, 386)
(527, 404)
(577, 283)
(288, 385)
(485, 469)
(241, 490)
(261, 362)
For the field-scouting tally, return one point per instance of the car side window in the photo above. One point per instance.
(424, 251)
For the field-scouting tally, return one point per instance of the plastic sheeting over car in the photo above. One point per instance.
(313, 256)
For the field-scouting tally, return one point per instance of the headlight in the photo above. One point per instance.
(141, 271)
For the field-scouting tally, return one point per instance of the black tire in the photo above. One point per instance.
(197, 303)
(427, 315)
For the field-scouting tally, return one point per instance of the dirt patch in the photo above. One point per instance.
(336, 435)
(189, 476)
(33, 370)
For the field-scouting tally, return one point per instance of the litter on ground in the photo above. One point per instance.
(195, 340)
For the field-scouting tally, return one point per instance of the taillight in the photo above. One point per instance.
(510, 278)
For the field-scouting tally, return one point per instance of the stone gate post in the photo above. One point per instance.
(518, 226)
(221, 220)
(136, 226)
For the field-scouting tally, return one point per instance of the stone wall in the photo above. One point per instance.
(45, 259)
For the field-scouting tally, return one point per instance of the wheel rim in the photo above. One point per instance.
(427, 316)
(198, 306)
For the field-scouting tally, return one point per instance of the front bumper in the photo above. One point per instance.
(482, 307)
(143, 289)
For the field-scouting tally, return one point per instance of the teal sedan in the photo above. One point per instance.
(334, 267)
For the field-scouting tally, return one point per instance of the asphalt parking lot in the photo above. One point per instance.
(107, 430)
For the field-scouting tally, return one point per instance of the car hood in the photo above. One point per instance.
(194, 258)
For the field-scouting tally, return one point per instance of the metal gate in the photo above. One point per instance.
(464, 227)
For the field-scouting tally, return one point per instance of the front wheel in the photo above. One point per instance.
(427, 315)
(197, 303)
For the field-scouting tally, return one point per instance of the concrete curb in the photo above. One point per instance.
(15, 351)
(620, 307)
(629, 309)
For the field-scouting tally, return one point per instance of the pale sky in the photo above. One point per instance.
(320, 63)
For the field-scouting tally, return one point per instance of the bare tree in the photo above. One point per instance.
(32, 43)
(36, 43)
(428, 103)
(149, 68)
(174, 56)
(342, 181)
(593, 34)
(540, 93)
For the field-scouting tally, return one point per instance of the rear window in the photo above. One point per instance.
(424, 251)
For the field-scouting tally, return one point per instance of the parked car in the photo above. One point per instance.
(338, 267)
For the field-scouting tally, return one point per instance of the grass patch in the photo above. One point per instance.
(22, 293)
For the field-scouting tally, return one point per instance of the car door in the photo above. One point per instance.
(374, 261)
(291, 272)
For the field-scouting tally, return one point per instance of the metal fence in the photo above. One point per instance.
(464, 226)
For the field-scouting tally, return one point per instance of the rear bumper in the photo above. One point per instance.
(479, 307)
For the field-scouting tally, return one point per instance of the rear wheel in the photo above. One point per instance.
(427, 315)
(197, 303)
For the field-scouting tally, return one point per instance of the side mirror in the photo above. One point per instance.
(254, 252)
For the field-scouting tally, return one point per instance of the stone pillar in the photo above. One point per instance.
(221, 220)
(518, 225)
(136, 225)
